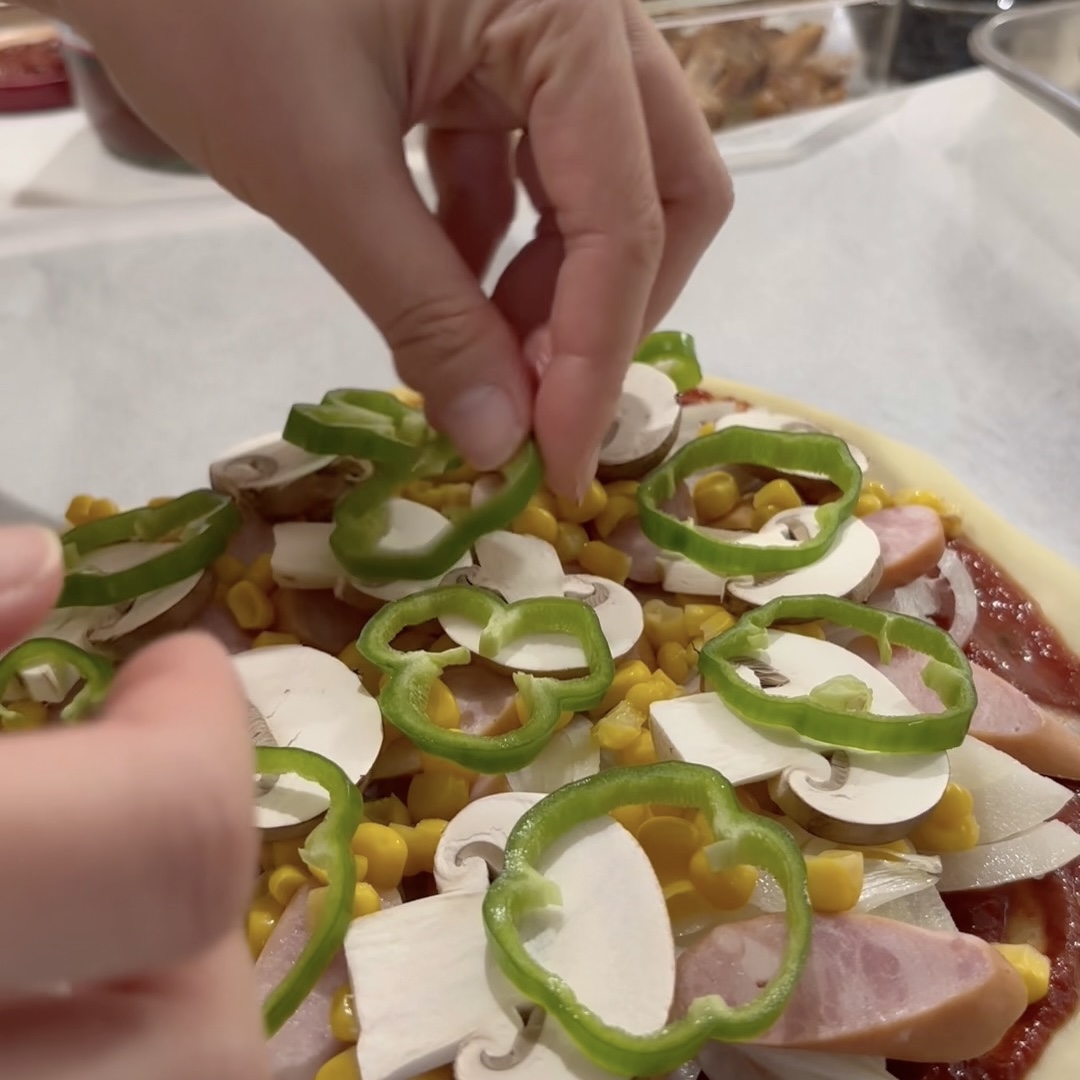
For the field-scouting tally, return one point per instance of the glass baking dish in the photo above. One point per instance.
(754, 61)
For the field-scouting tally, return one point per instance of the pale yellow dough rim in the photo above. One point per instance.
(1042, 573)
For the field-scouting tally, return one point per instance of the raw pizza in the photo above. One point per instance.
(759, 761)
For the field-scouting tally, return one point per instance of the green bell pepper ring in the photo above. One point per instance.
(352, 539)
(404, 699)
(371, 425)
(742, 837)
(823, 455)
(328, 849)
(841, 722)
(96, 671)
(675, 354)
(204, 519)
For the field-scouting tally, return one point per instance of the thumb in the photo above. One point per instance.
(449, 341)
(31, 569)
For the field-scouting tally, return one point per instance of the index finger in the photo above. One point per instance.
(127, 844)
(591, 149)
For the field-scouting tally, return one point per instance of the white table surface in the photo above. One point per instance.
(921, 274)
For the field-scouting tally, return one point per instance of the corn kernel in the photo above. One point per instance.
(951, 825)
(645, 652)
(421, 841)
(343, 1066)
(715, 495)
(641, 751)
(368, 672)
(703, 828)
(631, 817)
(343, 1022)
(456, 495)
(228, 569)
(669, 843)
(287, 853)
(260, 925)
(1031, 965)
(285, 882)
(834, 880)
(671, 656)
(717, 624)
(388, 811)
(361, 866)
(408, 397)
(432, 763)
(740, 519)
(385, 852)
(570, 541)
(437, 795)
(780, 494)
(261, 574)
(535, 521)
(101, 508)
(625, 676)
(879, 491)
(629, 488)
(24, 716)
(619, 509)
(694, 615)
(605, 561)
(683, 901)
(867, 504)
(365, 900)
(644, 695)
(915, 497)
(270, 639)
(708, 428)
(664, 622)
(725, 890)
(249, 606)
(159, 501)
(596, 498)
(442, 706)
(619, 728)
(78, 511)
(313, 910)
(544, 500)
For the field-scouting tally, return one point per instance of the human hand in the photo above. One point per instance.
(300, 110)
(127, 854)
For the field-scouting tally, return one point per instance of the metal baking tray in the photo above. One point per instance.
(1037, 50)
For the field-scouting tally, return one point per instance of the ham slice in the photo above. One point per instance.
(485, 698)
(871, 986)
(912, 541)
(1040, 738)
(304, 1043)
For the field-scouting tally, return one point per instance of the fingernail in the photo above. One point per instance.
(28, 553)
(538, 350)
(483, 424)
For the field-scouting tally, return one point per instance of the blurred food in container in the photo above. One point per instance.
(32, 74)
(752, 61)
(933, 35)
(121, 132)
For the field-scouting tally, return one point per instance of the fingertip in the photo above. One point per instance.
(31, 575)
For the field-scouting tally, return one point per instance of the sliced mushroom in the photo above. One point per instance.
(165, 611)
(411, 525)
(851, 797)
(695, 416)
(116, 630)
(764, 420)
(863, 798)
(302, 558)
(645, 427)
(525, 567)
(311, 700)
(850, 568)
(432, 957)
(280, 481)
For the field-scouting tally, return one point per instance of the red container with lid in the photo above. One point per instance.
(32, 74)
(121, 132)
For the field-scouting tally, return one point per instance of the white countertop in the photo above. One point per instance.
(919, 271)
